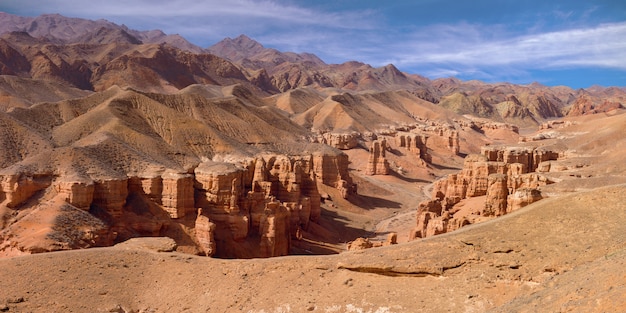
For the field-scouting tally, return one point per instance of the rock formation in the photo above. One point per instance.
(425, 135)
(342, 141)
(445, 136)
(20, 186)
(505, 176)
(265, 201)
(110, 195)
(205, 230)
(177, 194)
(522, 197)
(249, 209)
(377, 163)
(415, 143)
(77, 192)
(359, 244)
(268, 198)
(365, 243)
(497, 192)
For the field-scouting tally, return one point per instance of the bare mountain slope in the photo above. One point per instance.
(100, 63)
(24, 92)
(94, 55)
(60, 29)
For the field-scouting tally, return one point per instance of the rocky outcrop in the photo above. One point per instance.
(19, 187)
(365, 243)
(415, 143)
(177, 195)
(205, 230)
(332, 170)
(444, 136)
(505, 176)
(342, 141)
(495, 125)
(497, 193)
(259, 205)
(274, 228)
(110, 195)
(264, 198)
(427, 135)
(249, 209)
(528, 157)
(77, 192)
(522, 197)
(377, 163)
(556, 124)
(359, 244)
(586, 105)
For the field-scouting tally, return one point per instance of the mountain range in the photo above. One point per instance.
(95, 55)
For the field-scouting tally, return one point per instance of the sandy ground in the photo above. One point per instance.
(560, 254)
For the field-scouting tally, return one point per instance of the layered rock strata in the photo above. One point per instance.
(20, 186)
(377, 163)
(342, 141)
(420, 138)
(506, 177)
(249, 209)
(415, 143)
(261, 204)
(205, 230)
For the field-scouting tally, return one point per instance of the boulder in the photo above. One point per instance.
(522, 197)
(359, 244)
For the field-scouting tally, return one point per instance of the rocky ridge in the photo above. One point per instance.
(102, 54)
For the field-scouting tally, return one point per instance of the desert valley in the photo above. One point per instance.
(142, 173)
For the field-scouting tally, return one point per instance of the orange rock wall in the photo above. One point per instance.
(505, 176)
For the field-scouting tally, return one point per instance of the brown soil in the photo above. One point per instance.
(561, 254)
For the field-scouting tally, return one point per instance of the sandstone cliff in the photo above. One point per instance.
(377, 163)
(251, 208)
(505, 177)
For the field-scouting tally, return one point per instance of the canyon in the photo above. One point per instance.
(131, 157)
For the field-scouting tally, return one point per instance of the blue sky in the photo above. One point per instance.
(573, 43)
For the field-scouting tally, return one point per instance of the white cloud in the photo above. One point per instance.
(600, 46)
(232, 11)
(363, 35)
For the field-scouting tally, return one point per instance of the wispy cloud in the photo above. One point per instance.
(230, 12)
(466, 49)
(556, 38)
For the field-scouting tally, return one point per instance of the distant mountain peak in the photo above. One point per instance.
(244, 48)
(246, 41)
(237, 49)
(60, 29)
